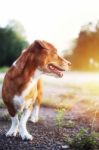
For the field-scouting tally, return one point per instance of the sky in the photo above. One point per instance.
(56, 21)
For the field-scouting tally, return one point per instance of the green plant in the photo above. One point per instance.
(2, 105)
(3, 69)
(6, 117)
(85, 140)
(69, 124)
(60, 116)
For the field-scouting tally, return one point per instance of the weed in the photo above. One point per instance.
(69, 124)
(6, 117)
(59, 120)
(85, 140)
(2, 105)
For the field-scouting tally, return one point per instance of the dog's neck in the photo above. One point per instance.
(37, 74)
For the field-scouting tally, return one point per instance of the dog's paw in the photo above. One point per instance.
(34, 119)
(26, 136)
(24, 133)
(12, 133)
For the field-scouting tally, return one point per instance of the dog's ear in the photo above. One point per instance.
(37, 46)
(43, 44)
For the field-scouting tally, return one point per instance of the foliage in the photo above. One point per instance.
(85, 53)
(12, 42)
(5, 117)
(60, 116)
(2, 105)
(69, 124)
(85, 140)
(3, 69)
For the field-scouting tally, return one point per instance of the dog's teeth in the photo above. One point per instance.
(51, 67)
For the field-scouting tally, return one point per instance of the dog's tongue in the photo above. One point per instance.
(56, 71)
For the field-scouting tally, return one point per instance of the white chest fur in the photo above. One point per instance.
(19, 101)
(29, 87)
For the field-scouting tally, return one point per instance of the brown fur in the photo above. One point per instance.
(38, 54)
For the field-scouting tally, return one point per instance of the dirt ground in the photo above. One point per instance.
(47, 133)
(81, 103)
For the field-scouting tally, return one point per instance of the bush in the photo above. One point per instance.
(85, 140)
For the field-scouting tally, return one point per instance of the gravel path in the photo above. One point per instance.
(46, 134)
(45, 138)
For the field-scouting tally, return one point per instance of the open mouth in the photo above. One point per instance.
(56, 70)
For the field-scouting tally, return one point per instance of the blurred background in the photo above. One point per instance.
(73, 27)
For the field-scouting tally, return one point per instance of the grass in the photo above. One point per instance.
(56, 103)
(84, 140)
(3, 69)
(86, 97)
(60, 117)
(1, 80)
(5, 117)
(2, 105)
(86, 94)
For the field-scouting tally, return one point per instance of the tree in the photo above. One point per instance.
(86, 49)
(12, 42)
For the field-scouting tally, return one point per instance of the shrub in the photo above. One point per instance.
(85, 140)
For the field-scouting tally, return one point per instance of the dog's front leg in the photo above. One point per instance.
(35, 113)
(14, 127)
(22, 125)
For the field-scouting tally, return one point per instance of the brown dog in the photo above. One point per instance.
(22, 86)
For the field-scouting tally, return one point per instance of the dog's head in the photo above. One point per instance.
(47, 59)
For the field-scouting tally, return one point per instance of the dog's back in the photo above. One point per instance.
(22, 86)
